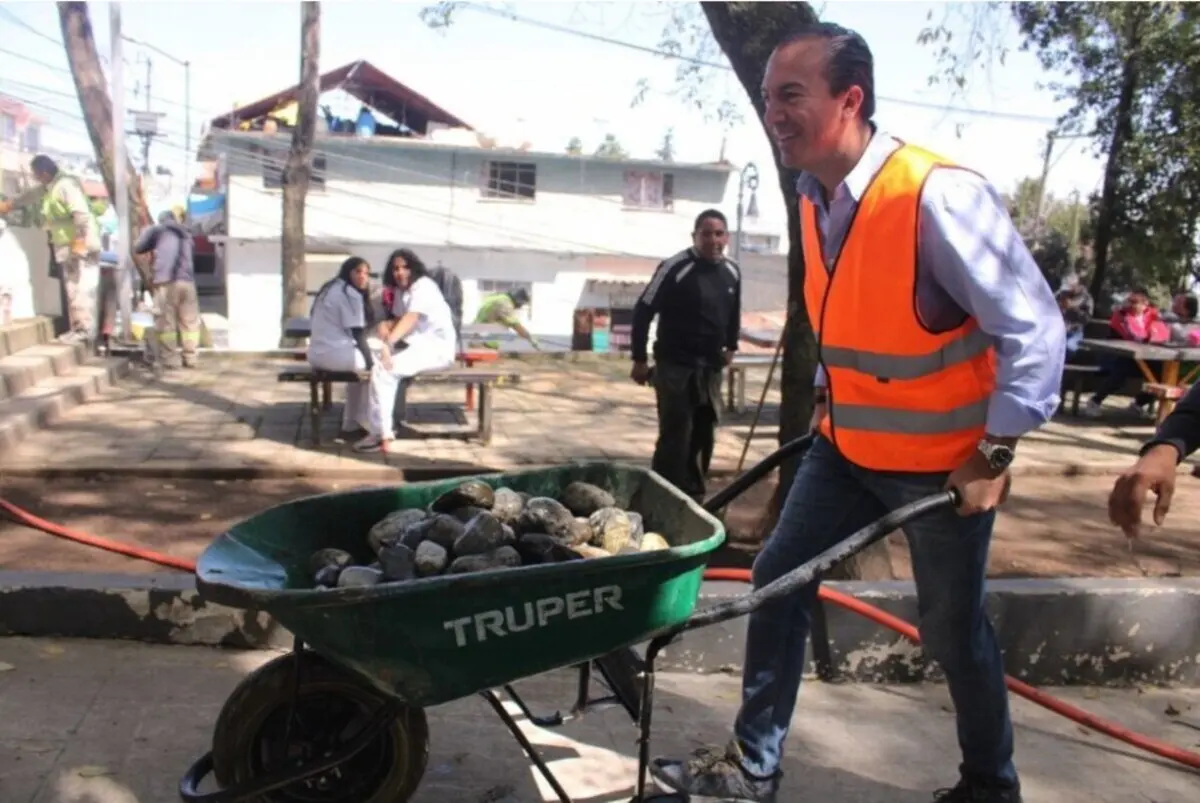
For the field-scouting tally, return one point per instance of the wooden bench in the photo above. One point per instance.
(1074, 376)
(735, 379)
(320, 384)
(1166, 396)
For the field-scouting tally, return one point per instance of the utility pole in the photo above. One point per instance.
(145, 123)
(299, 167)
(1073, 248)
(1041, 188)
(187, 105)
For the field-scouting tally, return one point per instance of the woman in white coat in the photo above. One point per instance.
(419, 338)
(338, 340)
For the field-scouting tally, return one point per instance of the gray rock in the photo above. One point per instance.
(471, 492)
(430, 559)
(611, 529)
(391, 527)
(442, 529)
(581, 531)
(507, 505)
(536, 548)
(584, 499)
(637, 528)
(506, 557)
(337, 558)
(327, 576)
(398, 563)
(482, 534)
(467, 512)
(542, 514)
(359, 577)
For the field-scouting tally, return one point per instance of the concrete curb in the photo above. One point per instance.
(1054, 632)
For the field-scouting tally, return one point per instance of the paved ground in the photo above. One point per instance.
(234, 413)
(107, 722)
(1050, 527)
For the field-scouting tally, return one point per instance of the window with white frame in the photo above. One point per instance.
(510, 181)
(31, 138)
(489, 286)
(649, 189)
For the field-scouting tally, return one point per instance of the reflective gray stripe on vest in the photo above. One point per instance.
(908, 422)
(893, 366)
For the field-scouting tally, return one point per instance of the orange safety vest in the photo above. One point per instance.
(901, 397)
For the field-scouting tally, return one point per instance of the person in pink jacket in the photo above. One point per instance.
(1136, 320)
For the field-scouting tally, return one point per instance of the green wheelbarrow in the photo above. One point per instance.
(341, 718)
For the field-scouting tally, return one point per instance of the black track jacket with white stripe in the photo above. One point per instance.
(698, 304)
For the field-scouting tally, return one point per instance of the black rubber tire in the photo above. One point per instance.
(269, 688)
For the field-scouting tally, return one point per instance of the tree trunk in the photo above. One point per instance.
(90, 84)
(299, 166)
(747, 33)
(1122, 132)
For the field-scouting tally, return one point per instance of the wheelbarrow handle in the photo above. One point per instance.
(756, 472)
(805, 574)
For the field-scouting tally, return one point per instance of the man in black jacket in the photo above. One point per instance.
(697, 297)
(1177, 438)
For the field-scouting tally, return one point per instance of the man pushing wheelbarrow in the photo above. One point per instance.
(940, 346)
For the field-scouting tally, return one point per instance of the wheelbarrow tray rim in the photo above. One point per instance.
(214, 582)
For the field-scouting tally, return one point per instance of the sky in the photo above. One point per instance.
(518, 79)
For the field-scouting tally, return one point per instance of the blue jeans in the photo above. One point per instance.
(830, 499)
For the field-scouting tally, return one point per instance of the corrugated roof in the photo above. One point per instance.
(369, 84)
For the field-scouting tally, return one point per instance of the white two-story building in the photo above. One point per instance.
(582, 233)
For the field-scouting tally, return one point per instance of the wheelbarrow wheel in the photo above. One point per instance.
(259, 731)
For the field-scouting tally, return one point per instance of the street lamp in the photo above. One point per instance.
(747, 180)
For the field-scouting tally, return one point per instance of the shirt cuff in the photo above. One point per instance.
(819, 377)
(1010, 417)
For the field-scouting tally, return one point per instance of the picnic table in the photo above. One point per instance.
(1167, 388)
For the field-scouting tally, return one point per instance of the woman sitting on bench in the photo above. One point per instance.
(420, 338)
(339, 340)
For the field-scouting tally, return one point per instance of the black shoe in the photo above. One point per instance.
(715, 774)
(969, 791)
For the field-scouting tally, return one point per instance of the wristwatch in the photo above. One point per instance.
(998, 456)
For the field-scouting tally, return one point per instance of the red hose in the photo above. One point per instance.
(29, 520)
(1141, 741)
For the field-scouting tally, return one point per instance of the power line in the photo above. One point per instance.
(511, 17)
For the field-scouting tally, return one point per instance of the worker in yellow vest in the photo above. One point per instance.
(501, 308)
(74, 235)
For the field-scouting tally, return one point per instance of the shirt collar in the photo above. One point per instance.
(879, 148)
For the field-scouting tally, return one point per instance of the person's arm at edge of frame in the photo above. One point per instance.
(643, 315)
(969, 243)
(1177, 438)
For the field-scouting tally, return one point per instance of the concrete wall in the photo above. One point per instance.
(558, 282)
(420, 195)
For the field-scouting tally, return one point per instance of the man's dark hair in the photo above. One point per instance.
(519, 296)
(1192, 305)
(714, 214)
(848, 61)
(43, 164)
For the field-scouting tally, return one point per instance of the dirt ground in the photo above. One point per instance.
(1050, 527)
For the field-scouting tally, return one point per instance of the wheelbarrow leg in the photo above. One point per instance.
(529, 749)
(644, 721)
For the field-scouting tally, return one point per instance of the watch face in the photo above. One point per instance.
(1001, 457)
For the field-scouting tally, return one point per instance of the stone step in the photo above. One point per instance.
(21, 371)
(46, 402)
(25, 333)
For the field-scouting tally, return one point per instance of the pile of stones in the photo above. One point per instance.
(475, 528)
